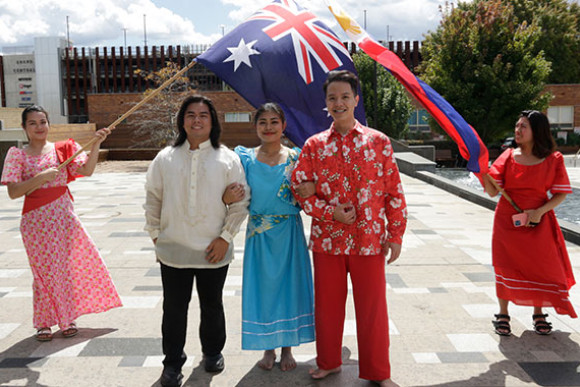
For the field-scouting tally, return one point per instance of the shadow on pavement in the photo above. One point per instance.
(521, 362)
(16, 361)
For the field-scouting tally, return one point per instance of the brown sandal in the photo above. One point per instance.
(44, 334)
(71, 331)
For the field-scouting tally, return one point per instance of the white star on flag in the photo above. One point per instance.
(241, 54)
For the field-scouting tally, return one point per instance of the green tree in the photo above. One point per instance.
(559, 22)
(483, 63)
(154, 123)
(394, 106)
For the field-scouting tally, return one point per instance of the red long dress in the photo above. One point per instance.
(532, 266)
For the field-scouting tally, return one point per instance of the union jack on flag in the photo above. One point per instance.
(283, 54)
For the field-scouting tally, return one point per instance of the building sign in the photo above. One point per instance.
(20, 80)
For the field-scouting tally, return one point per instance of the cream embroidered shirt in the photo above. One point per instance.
(183, 205)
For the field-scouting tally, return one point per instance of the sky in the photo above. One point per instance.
(93, 23)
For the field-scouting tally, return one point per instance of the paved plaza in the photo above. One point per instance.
(441, 299)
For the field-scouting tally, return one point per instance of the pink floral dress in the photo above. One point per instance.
(70, 277)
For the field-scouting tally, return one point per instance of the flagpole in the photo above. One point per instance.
(503, 193)
(130, 111)
(124, 116)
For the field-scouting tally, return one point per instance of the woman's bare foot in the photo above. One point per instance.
(268, 360)
(386, 383)
(319, 373)
(287, 361)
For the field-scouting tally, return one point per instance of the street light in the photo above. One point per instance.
(124, 38)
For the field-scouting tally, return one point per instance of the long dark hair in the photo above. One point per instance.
(33, 108)
(544, 144)
(216, 129)
(272, 107)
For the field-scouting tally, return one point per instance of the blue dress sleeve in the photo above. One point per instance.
(245, 155)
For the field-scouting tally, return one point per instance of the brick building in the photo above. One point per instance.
(564, 110)
(98, 85)
(234, 114)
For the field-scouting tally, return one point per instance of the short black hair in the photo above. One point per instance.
(342, 76)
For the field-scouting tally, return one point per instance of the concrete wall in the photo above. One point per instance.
(47, 51)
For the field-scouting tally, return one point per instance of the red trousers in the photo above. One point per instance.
(367, 274)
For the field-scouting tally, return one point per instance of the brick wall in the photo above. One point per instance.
(104, 109)
(81, 133)
(567, 95)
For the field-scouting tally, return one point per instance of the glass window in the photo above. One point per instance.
(419, 121)
(238, 117)
(561, 117)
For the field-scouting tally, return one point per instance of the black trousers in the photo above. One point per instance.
(177, 288)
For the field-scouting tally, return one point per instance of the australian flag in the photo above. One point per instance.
(282, 54)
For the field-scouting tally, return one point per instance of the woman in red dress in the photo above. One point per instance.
(532, 266)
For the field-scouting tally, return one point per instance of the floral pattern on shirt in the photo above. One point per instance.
(359, 168)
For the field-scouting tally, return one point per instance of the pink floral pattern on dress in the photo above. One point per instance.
(70, 277)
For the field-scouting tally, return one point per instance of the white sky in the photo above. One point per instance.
(186, 22)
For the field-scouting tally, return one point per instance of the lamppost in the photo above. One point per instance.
(145, 29)
(124, 38)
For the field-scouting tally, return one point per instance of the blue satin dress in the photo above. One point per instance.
(277, 295)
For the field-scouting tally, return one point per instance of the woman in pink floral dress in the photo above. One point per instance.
(70, 277)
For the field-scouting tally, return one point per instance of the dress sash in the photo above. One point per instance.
(42, 196)
(258, 224)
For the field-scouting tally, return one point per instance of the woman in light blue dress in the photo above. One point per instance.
(277, 295)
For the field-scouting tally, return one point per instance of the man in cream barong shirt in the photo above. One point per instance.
(193, 231)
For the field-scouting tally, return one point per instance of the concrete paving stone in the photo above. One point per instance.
(12, 273)
(426, 357)
(469, 342)
(445, 266)
(481, 277)
(395, 280)
(423, 232)
(553, 373)
(463, 357)
(16, 362)
(122, 347)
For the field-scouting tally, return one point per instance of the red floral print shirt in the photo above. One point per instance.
(360, 168)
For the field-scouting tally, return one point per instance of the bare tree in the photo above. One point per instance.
(154, 123)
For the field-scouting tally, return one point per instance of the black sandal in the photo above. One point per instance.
(542, 327)
(502, 327)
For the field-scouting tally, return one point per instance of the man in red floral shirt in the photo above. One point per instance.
(357, 189)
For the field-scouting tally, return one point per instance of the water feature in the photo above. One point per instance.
(569, 210)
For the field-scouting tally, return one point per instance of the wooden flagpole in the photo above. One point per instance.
(130, 111)
(503, 193)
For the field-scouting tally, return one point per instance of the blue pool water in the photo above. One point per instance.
(569, 210)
